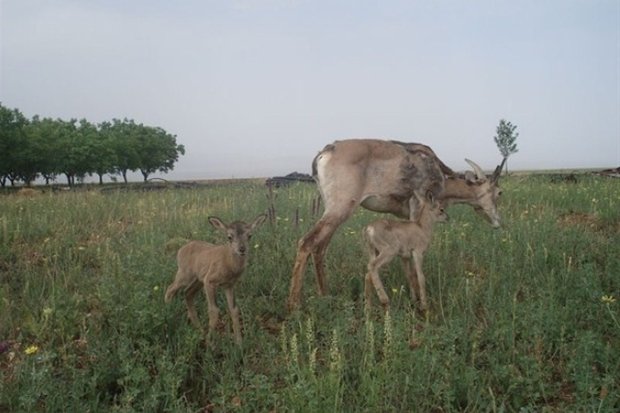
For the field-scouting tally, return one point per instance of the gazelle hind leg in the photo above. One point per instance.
(175, 286)
(190, 294)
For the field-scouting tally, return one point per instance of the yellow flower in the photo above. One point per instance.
(608, 299)
(31, 350)
(156, 288)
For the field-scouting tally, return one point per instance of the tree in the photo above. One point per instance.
(124, 143)
(505, 139)
(158, 150)
(46, 137)
(77, 155)
(13, 143)
(105, 161)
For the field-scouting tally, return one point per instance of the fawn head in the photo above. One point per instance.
(238, 232)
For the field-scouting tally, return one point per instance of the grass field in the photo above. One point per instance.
(526, 318)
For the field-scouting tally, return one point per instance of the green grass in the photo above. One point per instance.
(526, 318)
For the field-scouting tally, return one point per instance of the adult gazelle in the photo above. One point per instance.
(382, 176)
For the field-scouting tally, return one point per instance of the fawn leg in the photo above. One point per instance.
(234, 314)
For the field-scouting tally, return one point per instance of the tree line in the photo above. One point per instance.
(47, 148)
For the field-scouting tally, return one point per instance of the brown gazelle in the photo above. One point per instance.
(386, 238)
(208, 266)
(475, 189)
(381, 176)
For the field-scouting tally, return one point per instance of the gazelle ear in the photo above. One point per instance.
(258, 220)
(217, 223)
(430, 197)
(470, 176)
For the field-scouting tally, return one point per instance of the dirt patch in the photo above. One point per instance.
(579, 219)
(591, 222)
(28, 192)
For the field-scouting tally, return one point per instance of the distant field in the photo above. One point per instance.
(525, 318)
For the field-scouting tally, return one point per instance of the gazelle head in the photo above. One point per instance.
(238, 233)
(432, 208)
(487, 191)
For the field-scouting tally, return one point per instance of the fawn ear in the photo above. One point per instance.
(258, 220)
(217, 223)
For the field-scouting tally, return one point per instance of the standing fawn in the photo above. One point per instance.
(388, 238)
(201, 264)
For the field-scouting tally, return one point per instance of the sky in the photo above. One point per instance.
(255, 88)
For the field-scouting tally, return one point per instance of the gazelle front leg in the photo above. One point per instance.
(214, 313)
(234, 314)
(412, 277)
(418, 258)
(373, 274)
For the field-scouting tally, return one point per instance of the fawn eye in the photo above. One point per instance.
(249, 236)
(230, 238)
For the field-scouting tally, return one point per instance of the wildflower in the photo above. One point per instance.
(387, 336)
(335, 357)
(30, 350)
(394, 290)
(608, 299)
(256, 246)
(312, 361)
(156, 288)
(80, 248)
(294, 350)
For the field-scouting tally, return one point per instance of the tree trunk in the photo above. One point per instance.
(100, 179)
(145, 175)
(68, 175)
(124, 173)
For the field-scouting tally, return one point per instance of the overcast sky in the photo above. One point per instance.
(255, 88)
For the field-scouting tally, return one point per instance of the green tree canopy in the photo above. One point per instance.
(49, 147)
(12, 143)
(506, 139)
(158, 150)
